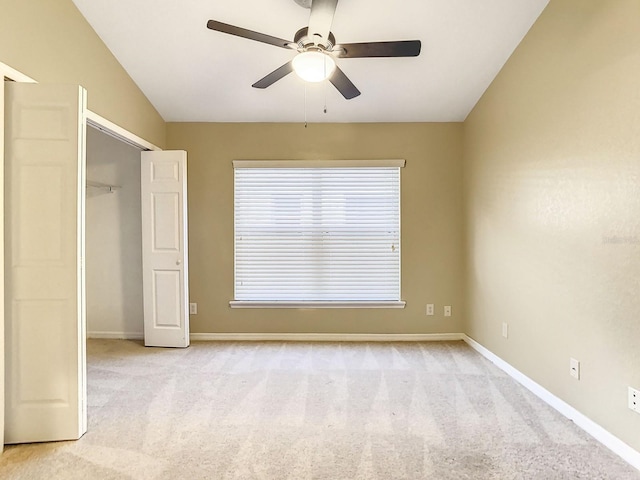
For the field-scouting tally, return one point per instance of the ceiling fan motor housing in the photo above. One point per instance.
(303, 3)
(306, 41)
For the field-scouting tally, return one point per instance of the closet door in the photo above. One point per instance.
(164, 249)
(44, 251)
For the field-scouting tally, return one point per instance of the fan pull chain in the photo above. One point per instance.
(305, 105)
(325, 96)
(325, 85)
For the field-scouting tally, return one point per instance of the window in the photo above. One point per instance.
(317, 233)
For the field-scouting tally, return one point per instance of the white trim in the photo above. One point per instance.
(317, 163)
(93, 119)
(12, 74)
(96, 121)
(6, 72)
(609, 440)
(250, 304)
(326, 337)
(116, 335)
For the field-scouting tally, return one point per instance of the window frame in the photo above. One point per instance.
(394, 304)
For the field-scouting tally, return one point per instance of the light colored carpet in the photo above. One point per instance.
(312, 411)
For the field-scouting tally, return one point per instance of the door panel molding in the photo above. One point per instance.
(46, 398)
(165, 248)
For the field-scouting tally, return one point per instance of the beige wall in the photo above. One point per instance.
(51, 41)
(431, 220)
(552, 198)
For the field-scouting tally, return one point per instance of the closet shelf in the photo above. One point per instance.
(103, 186)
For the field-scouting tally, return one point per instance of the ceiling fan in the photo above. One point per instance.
(316, 47)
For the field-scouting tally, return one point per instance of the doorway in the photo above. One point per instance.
(40, 193)
(113, 238)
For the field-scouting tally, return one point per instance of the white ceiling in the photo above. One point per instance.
(191, 73)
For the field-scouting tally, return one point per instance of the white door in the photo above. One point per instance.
(44, 251)
(164, 249)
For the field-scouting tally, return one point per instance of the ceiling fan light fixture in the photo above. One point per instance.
(313, 66)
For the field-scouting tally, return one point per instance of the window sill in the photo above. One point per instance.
(249, 304)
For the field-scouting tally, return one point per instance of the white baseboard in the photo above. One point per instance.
(327, 337)
(117, 335)
(295, 337)
(609, 440)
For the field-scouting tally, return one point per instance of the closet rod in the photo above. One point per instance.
(105, 186)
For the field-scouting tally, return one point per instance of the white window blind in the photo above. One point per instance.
(317, 234)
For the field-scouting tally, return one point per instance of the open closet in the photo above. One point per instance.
(113, 238)
(84, 255)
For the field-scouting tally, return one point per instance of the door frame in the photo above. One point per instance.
(92, 119)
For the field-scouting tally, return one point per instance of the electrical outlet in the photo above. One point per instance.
(574, 368)
(505, 329)
(429, 309)
(447, 310)
(634, 399)
(193, 309)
